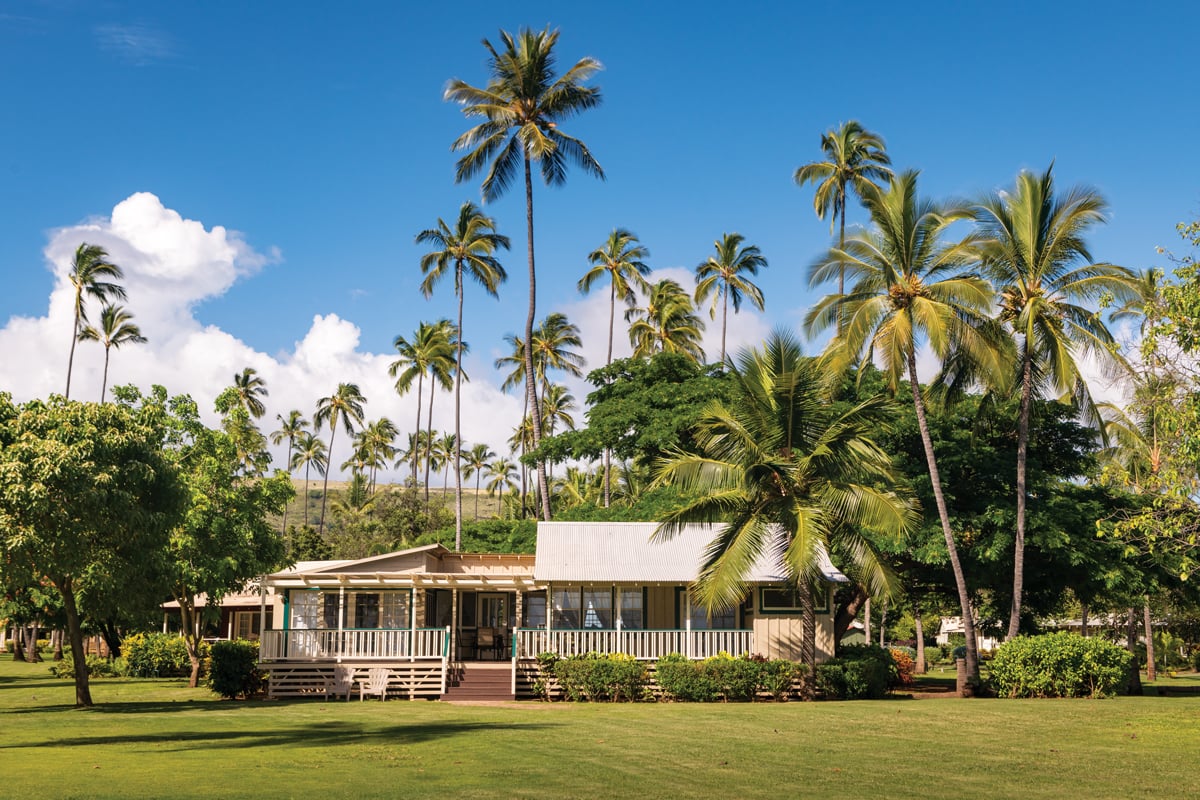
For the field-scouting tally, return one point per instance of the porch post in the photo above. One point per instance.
(687, 622)
(341, 639)
(454, 624)
(617, 621)
(549, 610)
(519, 611)
(262, 610)
(164, 626)
(412, 613)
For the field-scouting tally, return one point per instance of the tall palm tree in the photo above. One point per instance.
(115, 330)
(521, 109)
(855, 161)
(554, 347)
(428, 352)
(557, 404)
(91, 275)
(250, 388)
(477, 460)
(721, 277)
(310, 454)
(470, 248)
(668, 323)
(909, 286)
(515, 363)
(789, 474)
(290, 427)
(378, 440)
(345, 406)
(501, 472)
(445, 450)
(442, 373)
(1032, 246)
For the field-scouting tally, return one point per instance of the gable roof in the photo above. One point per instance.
(622, 552)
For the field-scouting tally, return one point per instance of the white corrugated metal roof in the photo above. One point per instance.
(622, 552)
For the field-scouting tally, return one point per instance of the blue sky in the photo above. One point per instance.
(320, 135)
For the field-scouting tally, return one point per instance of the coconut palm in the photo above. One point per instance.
(470, 249)
(521, 109)
(290, 427)
(115, 330)
(250, 388)
(501, 471)
(554, 347)
(344, 406)
(477, 460)
(668, 323)
(855, 161)
(515, 363)
(1032, 245)
(90, 276)
(788, 474)
(445, 451)
(721, 276)
(908, 286)
(442, 371)
(429, 352)
(310, 454)
(557, 404)
(377, 440)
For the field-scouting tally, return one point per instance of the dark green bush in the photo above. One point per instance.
(157, 655)
(778, 676)
(680, 679)
(1196, 660)
(860, 672)
(234, 671)
(98, 667)
(1059, 665)
(545, 674)
(598, 677)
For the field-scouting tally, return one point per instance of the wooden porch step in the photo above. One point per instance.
(481, 682)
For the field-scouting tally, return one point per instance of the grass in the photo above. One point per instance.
(157, 738)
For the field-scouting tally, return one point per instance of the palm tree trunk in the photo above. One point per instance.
(417, 438)
(104, 383)
(530, 378)
(808, 639)
(724, 318)
(1083, 620)
(478, 472)
(287, 539)
(1014, 617)
(612, 312)
(842, 266)
(919, 628)
(960, 580)
(328, 469)
(458, 421)
(429, 439)
(307, 464)
(1151, 667)
(1135, 678)
(74, 339)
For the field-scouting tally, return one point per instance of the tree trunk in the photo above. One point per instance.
(1083, 620)
(104, 383)
(847, 614)
(32, 653)
(429, 438)
(960, 579)
(458, 512)
(919, 628)
(18, 653)
(83, 693)
(191, 636)
(867, 621)
(808, 639)
(328, 469)
(1151, 666)
(530, 382)
(112, 639)
(1014, 617)
(478, 474)
(724, 318)
(56, 637)
(417, 438)
(842, 265)
(74, 338)
(1135, 678)
(882, 623)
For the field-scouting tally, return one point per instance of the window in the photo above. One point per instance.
(305, 608)
(366, 610)
(467, 602)
(633, 616)
(535, 611)
(566, 608)
(597, 608)
(781, 600)
(329, 611)
(720, 619)
(393, 610)
(245, 625)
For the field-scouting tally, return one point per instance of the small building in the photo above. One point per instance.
(429, 615)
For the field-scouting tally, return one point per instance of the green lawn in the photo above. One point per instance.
(160, 739)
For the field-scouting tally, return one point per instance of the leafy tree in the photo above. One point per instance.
(91, 275)
(345, 406)
(788, 475)
(855, 161)
(721, 277)
(82, 484)
(907, 285)
(1033, 248)
(471, 248)
(668, 323)
(521, 108)
(250, 389)
(115, 330)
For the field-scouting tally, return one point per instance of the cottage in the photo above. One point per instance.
(443, 621)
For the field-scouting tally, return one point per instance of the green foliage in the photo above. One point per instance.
(488, 536)
(597, 677)
(97, 666)
(234, 669)
(723, 677)
(158, 655)
(307, 544)
(1059, 665)
(860, 672)
(683, 680)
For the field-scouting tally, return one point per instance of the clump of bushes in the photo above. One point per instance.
(1059, 665)
(597, 677)
(723, 677)
(98, 667)
(905, 660)
(234, 672)
(158, 655)
(860, 672)
(1196, 660)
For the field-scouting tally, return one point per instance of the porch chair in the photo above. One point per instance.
(376, 683)
(341, 684)
(486, 640)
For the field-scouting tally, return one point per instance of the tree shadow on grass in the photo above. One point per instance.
(329, 734)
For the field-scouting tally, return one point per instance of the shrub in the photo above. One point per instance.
(1058, 665)
(1196, 660)
(598, 677)
(680, 679)
(861, 672)
(905, 666)
(736, 679)
(541, 684)
(158, 655)
(98, 667)
(778, 677)
(234, 669)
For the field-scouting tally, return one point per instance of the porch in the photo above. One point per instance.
(644, 645)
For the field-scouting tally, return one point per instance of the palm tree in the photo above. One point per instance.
(428, 352)
(515, 361)
(1032, 246)
(501, 472)
(250, 387)
(442, 371)
(378, 443)
(908, 285)
(721, 277)
(557, 404)
(667, 324)
(521, 107)
(855, 161)
(310, 453)
(478, 458)
(90, 271)
(789, 474)
(115, 330)
(470, 247)
(290, 427)
(554, 344)
(345, 406)
(445, 451)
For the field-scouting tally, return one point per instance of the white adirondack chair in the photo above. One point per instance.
(376, 683)
(341, 683)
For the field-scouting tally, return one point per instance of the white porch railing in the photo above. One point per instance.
(642, 645)
(356, 644)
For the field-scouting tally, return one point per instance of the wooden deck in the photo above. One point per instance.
(406, 680)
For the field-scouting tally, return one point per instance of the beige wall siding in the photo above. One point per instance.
(660, 607)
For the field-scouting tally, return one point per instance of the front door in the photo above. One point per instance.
(493, 611)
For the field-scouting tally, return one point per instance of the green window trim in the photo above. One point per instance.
(766, 609)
